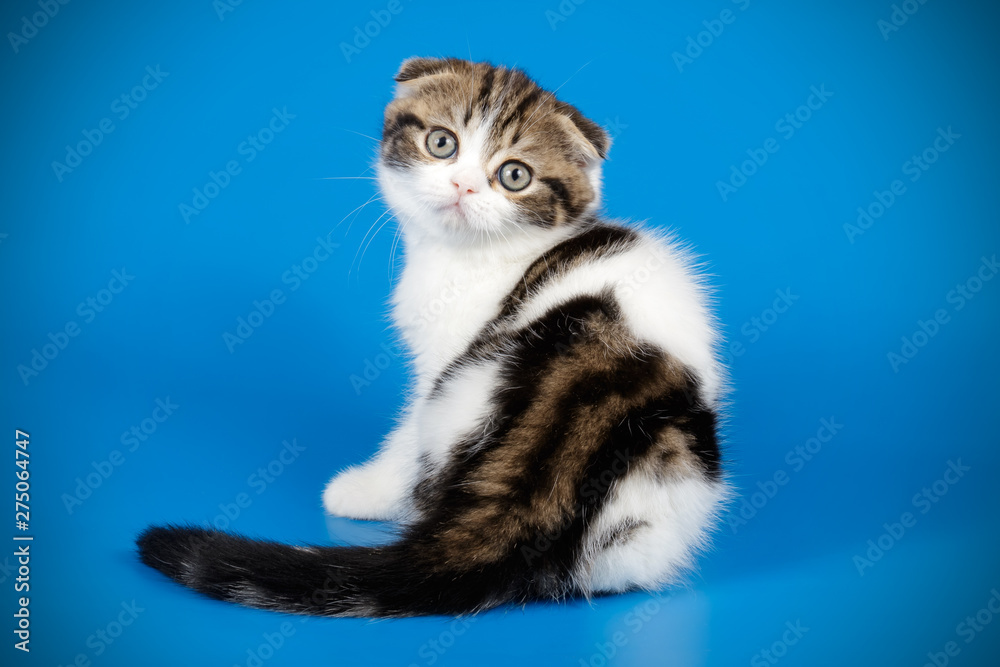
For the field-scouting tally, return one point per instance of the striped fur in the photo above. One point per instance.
(561, 436)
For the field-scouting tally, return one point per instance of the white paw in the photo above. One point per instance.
(365, 492)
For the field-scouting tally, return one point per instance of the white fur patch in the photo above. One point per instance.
(671, 519)
(662, 301)
(462, 408)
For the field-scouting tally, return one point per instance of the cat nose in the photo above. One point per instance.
(465, 181)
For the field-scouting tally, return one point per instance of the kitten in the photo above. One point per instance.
(560, 439)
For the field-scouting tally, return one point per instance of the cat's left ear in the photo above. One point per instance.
(589, 137)
(414, 68)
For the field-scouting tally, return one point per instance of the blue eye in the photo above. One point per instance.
(441, 143)
(514, 176)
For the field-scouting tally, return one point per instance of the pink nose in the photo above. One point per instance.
(465, 182)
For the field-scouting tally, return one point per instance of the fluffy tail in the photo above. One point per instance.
(386, 581)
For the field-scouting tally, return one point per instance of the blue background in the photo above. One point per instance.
(678, 129)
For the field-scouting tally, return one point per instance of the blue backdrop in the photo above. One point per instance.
(194, 325)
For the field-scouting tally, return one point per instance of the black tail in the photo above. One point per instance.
(385, 581)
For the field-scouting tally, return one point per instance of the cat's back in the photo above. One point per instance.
(448, 298)
(655, 282)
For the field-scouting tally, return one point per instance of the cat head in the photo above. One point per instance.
(471, 151)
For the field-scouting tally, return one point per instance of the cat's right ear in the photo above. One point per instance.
(590, 139)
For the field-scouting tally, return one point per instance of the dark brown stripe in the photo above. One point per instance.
(562, 196)
(519, 112)
(595, 243)
(484, 93)
(621, 533)
(398, 123)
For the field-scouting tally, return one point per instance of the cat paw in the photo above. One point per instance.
(364, 492)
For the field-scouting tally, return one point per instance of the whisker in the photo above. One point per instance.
(396, 237)
(358, 133)
(387, 212)
(357, 211)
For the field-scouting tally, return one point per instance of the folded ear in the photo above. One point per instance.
(414, 68)
(591, 139)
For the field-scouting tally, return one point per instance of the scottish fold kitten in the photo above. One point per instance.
(560, 438)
